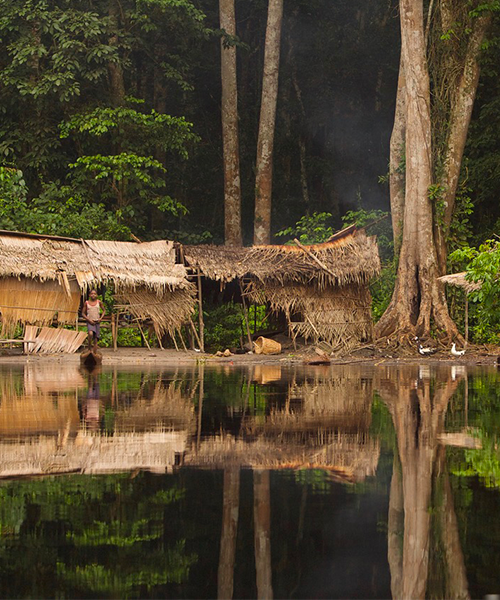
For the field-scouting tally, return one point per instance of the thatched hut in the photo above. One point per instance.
(322, 289)
(41, 276)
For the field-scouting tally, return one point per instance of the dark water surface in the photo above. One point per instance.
(322, 482)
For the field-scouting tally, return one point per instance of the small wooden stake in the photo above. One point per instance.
(245, 314)
(200, 314)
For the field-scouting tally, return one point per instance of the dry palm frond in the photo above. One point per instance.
(340, 316)
(350, 259)
(168, 310)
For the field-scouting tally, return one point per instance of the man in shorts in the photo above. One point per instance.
(93, 312)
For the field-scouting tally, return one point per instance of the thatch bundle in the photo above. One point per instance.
(350, 259)
(321, 288)
(459, 280)
(44, 275)
(167, 309)
(91, 262)
(340, 316)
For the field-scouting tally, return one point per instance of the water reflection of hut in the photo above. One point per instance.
(168, 408)
(323, 424)
(48, 411)
(41, 276)
(321, 289)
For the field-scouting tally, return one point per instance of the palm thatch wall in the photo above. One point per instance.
(36, 302)
(44, 275)
(322, 288)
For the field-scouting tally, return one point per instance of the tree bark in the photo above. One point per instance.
(265, 142)
(418, 297)
(115, 71)
(461, 111)
(396, 157)
(230, 141)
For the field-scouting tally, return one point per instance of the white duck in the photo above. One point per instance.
(424, 351)
(456, 352)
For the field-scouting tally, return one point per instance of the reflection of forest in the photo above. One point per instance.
(264, 419)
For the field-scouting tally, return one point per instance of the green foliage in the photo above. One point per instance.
(310, 229)
(223, 326)
(57, 211)
(483, 265)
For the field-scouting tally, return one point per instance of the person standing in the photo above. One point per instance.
(93, 312)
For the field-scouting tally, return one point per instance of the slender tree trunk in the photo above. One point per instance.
(230, 512)
(418, 296)
(461, 112)
(229, 110)
(262, 533)
(265, 142)
(115, 71)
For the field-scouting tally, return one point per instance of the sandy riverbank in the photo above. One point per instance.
(142, 357)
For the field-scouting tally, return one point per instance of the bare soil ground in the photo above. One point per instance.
(379, 352)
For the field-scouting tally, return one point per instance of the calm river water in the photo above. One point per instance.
(321, 482)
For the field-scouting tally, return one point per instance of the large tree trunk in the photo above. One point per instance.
(265, 142)
(229, 109)
(461, 111)
(418, 297)
(396, 156)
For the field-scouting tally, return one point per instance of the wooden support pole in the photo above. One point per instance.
(195, 332)
(182, 339)
(200, 314)
(245, 314)
(143, 336)
(114, 331)
(466, 320)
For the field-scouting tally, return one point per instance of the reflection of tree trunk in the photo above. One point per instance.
(418, 418)
(456, 576)
(229, 530)
(262, 533)
(395, 527)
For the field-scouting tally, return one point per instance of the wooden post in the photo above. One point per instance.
(200, 314)
(114, 331)
(142, 333)
(466, 319)
(245, 314)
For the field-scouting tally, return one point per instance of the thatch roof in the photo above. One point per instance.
(352, 258)
(91, 262)
(459, 280)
